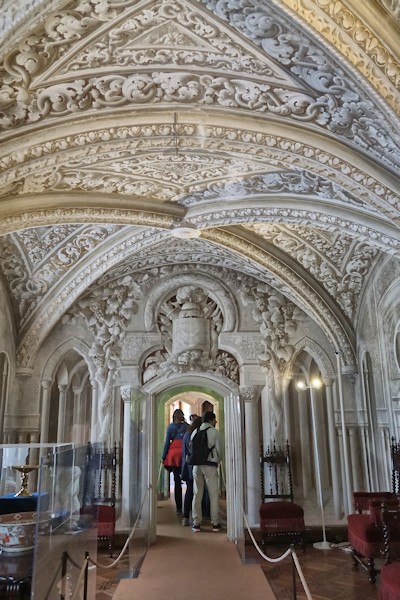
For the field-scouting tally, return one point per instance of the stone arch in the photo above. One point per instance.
(56, 357)
(216, 290)
(318, 354)
(234, 450)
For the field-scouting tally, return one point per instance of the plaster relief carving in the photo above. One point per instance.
(288, 182)
(343, 107)
(278, 319)
(87, 148)
(249, 346)
(341, 265)
(135, 344)
(43, 256)
(190, 323)
(107, 312)
(327, 96)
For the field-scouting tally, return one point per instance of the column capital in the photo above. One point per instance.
(63, 387)
(251, 393)
(46, 384)
(126, 392)
(328, 381)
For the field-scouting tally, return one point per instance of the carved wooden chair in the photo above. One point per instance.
(280, 516)
(101, 506)
(374, 530)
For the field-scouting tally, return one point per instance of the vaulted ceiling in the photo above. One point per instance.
(268, 130)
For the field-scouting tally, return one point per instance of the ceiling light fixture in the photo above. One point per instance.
(185, 233)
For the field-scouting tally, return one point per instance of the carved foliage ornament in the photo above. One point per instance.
(278, 318)
(343, 279)
(342, 107)
(190, 323)
(335, 100)
(31, 277)
(43, 156)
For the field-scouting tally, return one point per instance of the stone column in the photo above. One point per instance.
(93, 420)
(304, 441)
(251, 396)
(45, 411)
(354, 458)
(126, 395)
(333, 449)
(342, 470)
(234, 468)
(286, 408)
(76, 423)
(62, 407)
(365, 454)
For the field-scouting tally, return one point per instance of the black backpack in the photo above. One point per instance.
(198, 448)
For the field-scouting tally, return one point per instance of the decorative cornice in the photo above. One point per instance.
(45, 217)
(219, 139)
(243, 215)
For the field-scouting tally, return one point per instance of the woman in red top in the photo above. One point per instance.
(172, 453)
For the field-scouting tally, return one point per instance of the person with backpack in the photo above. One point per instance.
(187, 469)
(204, 456)
(172, 453)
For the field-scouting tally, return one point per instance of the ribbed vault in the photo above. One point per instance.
(268, 128)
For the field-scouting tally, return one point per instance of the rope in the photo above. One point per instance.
(116, 561)
(280, 558)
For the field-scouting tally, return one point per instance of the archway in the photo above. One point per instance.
(226, 395)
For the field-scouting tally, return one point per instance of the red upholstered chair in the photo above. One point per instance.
(105, 516)
(390, 582)
(101, 516)
(280, 517)
(374, 532)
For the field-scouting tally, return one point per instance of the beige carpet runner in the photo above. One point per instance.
(183, 565)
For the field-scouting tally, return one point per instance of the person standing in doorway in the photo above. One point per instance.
(187, 470)
(172, 453)
(207, 473)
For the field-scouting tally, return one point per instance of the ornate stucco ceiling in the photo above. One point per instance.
(268, 127)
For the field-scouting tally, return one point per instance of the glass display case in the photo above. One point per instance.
(45, 536)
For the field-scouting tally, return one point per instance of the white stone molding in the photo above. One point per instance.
(306, 298)
(250, 393)
(56, 355)
(189, 319)
(345, 103)
(234, 458)
(323, 361)
(345, 178)
(65, 294)
(340, 265)
(135, 344)
(331, 98)
(245, 346)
